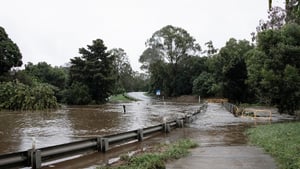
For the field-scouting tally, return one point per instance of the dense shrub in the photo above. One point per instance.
(77, 94)
(18, 96)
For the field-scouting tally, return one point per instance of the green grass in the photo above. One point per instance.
(156, 159)
(282, 141)
(121, 98)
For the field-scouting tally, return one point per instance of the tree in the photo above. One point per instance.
(173, 44)
(45, 73)
(140, 81)
(77, 94)
(188, 70)
(10, 55)
(159, 78)
(204, 85)
(149, 56)
(234, 69)
(211, 50)
(292, 8)
(273, 68)
(95, 70)
(122, 71)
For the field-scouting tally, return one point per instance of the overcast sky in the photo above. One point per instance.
(54, 30)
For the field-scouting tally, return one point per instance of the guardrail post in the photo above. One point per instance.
(179, 123)
(140, 136)
(99, 144)
(36, 159)
(104, 144)
(182, 122)
(167, 128)
(187, 119)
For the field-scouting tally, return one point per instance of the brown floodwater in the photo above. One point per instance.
(70, 123)
(215, 127)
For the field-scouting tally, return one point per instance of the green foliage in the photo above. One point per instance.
(77, 94)
(121, 98)
(290, 96)
(204, 85)
(150, 56)
(273, 68)
(45, 73)
(281, 141)
(178, 149)
(122, 71)
(94, 69)
(293, 11)
(188, 70)
(140, 82)
(10, 55)
(157, 160)
(170, 45)
(17, 96)
(159, 78)
(234, 69)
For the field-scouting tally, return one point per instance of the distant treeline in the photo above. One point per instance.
(266, 70)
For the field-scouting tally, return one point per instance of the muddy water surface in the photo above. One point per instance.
(17, 129)
(215, 127)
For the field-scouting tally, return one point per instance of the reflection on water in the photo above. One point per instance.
(76, 122)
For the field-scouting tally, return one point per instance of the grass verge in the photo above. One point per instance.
(282, 141)
(121, 98)
(157, 158)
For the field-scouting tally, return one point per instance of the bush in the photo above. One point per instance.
(77, 94)
(18, 96)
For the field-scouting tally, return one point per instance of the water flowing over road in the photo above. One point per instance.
(17, 129)
(216, 130)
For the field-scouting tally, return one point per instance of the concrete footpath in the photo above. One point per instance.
(225, 157)
(222, 144)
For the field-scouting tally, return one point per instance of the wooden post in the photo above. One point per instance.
(124, 109)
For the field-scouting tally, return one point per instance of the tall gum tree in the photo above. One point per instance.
(173, 44)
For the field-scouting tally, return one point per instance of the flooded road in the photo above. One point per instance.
(214, 128)
(17, 129)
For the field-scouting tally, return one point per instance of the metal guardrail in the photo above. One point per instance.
(231, 108)
(35, 157)
(236, 111)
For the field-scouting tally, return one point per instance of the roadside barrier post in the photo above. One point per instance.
(167, 128)
(140, 136)
(187, 119)
(99, 144)
(36, 159)
(179, 123)
(105, 144)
